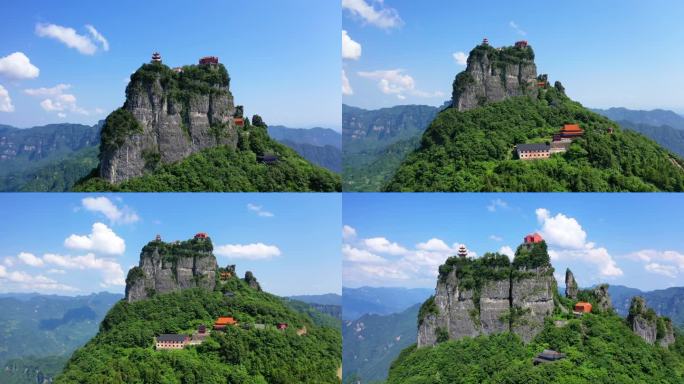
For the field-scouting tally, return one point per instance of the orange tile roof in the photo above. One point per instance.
(572, 128)
(225, 321)
(583, 307)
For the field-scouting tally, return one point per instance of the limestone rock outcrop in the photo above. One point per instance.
(570, 285)
(168, 267)
(494, 74)
(490, 295)
(252, 281)
(648, 325)
(176, 113)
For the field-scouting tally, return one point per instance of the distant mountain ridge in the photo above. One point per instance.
(357, 302)
(316, 136)
(655, 117)
(375, 142)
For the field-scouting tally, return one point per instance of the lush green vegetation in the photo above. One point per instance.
(319, 318)
(372, 342)
(117, 127)
(32, 370)
(473, 151)
(600, 348)
(54, 176)
(123, 352)
(375, 142)
(223, 169)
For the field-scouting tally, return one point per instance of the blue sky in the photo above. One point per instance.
(283, 57)
(610, 53)
(79, 243)
(627, 239)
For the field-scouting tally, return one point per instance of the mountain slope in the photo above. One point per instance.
(328, 157)
(666, 302)
(372, 342)
(665, 135)
(473, 149)
(178, 287)
(376, 141)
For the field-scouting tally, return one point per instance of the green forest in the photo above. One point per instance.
(474, 151)
(600, 348)
(123, 351)
(222, 169)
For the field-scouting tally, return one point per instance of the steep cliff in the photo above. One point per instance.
(168, 267)
(649, 326)
(570, 285)
(167, 116)
(490, 295)
(494, 74)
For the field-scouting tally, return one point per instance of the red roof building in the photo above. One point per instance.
(209, 60)
(583, 307)
(571, 130)
(533, 238)
(239, 121)
(223, 322)
(281, 326)
(521, 44)
(201, 235)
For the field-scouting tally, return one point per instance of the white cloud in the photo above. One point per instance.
(360, 255)
(517, 28)
(54, 91)
(496, 204)
(68, 36)
(98, 37)
(112, 273)
(259, 210)
(30, 259)
(8, 261)
(56, 100)
(348, 232)
(101, 240)
(346, 86)
(667, 263)
(382, 245)
(461, 58)
(61, 115)
(495, 238)
(17, 280)
(350, 49)
(56, 271)
(254, 251)
(382, 17)
(569, 240)
(434, 245)
(111, 211)
(561, 230)
(5, 100)
(660, 269)
(396, 82)
(508, 251)
(597, 256)
(18, 66)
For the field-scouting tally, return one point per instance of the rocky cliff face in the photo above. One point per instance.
(489, 295)
(167, 267)
(494, 74)
(649, 326)
(570, 285)
(177, 114)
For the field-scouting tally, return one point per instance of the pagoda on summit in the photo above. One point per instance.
(156, 57)
(462, 251)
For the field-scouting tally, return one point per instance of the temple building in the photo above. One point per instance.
(533, 151)
(521, 44)
(548, 356)
(171, 341)
(222, 322)
(533, 238)
(571, 131)
(201, 235)
(485, 41)
(462, 251)
(156, 57)
(282, 326)
(581, 308)
(209, 60)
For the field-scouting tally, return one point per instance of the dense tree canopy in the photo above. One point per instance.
(474, 151)
(123, 352)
